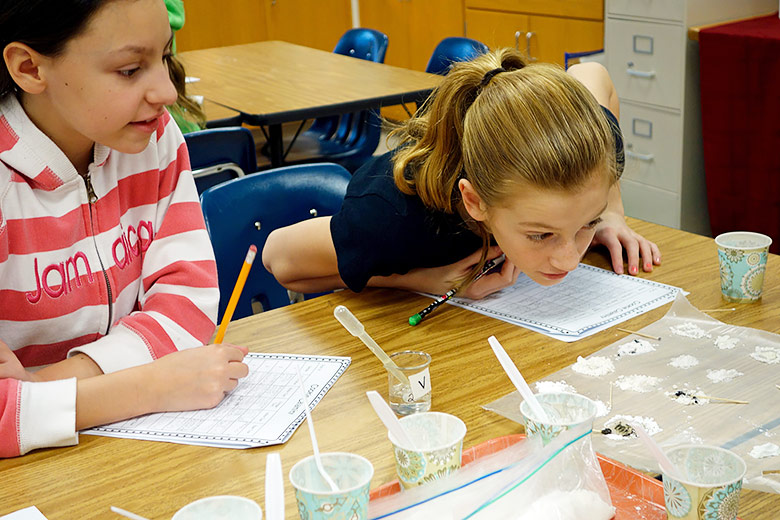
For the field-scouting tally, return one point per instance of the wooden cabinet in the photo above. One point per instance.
(544, 30)
(655, 68)
(413, 27)
(312, 23)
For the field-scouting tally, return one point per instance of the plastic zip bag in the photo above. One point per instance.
(526, 481)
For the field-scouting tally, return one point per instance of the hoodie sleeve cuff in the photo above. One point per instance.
(121, 349)
(47, 415)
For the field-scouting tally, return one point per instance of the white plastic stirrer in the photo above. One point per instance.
(666, 465)
(315, 447)
(391, 422)
(353, 325)
(274, 487)
(517, 379)
(127, 514)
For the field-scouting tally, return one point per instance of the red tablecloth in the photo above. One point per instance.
(740, 102)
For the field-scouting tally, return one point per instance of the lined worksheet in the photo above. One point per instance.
(587, 301)
(264, 409)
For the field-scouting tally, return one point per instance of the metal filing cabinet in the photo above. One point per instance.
(655, 68)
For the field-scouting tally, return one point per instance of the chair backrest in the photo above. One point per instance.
(452, 49)
(220, 154)
(244, 211)
(366, 44)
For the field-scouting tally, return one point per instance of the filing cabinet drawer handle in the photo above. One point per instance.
(641, 156)
(639, 73)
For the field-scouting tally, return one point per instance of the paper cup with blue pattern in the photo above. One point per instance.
(352, 475)
(564, 410)
(710, 480)
(742, 256)
(438, 443)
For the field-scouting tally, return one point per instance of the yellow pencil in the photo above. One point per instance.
(231, 306)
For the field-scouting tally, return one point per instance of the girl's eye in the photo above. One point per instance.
(127, 73)
(539, 238)
(593, 223)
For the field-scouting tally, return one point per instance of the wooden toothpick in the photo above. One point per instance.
(648, 336)
(721, 399)
(771, 472)
(610, 395)
(719, 310)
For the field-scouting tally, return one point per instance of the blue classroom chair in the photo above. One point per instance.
(220, 154)
(244, 211)
(349, 139)
(451, 50)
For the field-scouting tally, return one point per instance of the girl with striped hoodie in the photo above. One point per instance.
(107, 278)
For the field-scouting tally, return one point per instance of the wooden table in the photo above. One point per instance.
(273, 82)
(154, 479)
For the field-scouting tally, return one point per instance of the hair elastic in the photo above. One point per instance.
(489, 75)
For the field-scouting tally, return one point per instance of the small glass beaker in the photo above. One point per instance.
(415, 365)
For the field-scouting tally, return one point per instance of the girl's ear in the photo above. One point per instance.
(23, 65)
(472, 201)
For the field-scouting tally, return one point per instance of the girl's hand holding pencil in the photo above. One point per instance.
(508, 270)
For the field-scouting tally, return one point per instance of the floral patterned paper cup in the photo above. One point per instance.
(438, 443)
(742, 256)
(351, 473)
(709, 484)
(564, 409)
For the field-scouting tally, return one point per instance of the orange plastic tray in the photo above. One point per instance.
(634, 495)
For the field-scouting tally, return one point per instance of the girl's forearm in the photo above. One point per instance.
(114, 397)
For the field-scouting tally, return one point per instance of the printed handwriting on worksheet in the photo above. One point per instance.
(264, 409)
(587, 301)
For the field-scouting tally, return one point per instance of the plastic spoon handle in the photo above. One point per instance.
(517, 378)
(354, 327)
(663, 461)
(274, 487)
(391, 422)
(314, 446)
(127, 514)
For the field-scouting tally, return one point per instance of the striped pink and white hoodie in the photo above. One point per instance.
(124, 272)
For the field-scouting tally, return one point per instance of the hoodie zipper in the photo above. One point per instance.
(92, 199)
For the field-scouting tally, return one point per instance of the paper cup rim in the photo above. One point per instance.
(236, 498)
(331, 493)
(723, 236)
(442, 446)
(711, 447)
(561, 423)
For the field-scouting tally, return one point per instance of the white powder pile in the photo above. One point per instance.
(635, 347)
(763, 451)
(770, 355)
(723, 375)
(637, 383)
(593, 366)
(620, 426)
(686, 397)
(688, 330)
(684, 361)
(552, 387)
(569, 505)
(726, 342)
(601, 408)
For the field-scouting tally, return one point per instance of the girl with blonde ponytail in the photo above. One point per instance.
(504, 157)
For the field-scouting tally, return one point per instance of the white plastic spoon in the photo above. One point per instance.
(274, 487)
(391, 422)
(127, 514)
(666, 465)
(353, 325)
(517, 379)
(315, 447)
